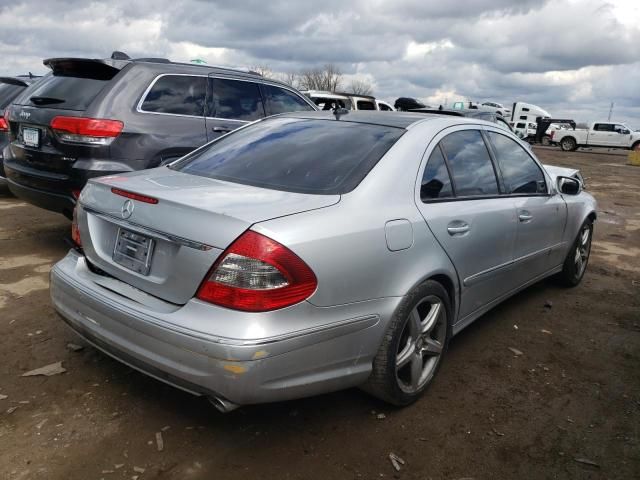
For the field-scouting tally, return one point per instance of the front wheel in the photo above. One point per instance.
(575, 264)
(636, 147)
(413, 346)
(568, 144)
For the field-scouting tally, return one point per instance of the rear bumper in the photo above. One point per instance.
(334, 355)
(48, 190)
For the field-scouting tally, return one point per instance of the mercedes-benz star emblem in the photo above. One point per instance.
(127, 209)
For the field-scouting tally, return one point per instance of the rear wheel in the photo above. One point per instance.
(413, 347)
(568, 144)
(636, 147)
(546, 141)
(576, 262)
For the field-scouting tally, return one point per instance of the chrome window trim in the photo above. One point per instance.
(222, 77)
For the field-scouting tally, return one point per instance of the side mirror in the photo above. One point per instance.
(626, 132)
(569, 185)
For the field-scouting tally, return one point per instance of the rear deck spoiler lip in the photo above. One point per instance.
(14, 81)
(108, 62)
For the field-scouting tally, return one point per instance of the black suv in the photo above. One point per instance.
(10, 88)
(95, 117)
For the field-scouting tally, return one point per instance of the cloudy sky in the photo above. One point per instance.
(571, 57)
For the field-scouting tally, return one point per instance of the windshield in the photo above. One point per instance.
(313, 156)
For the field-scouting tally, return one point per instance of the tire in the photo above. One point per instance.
(636, 147)
(403, 367)
(575, 264)
(546, 141)
(568, 144)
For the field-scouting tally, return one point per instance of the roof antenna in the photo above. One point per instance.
(30, 75)
(338, 111)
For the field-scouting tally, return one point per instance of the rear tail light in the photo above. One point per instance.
(4, 126)
(75, 231)
(258, 274)
(134, 196)
(94, 131)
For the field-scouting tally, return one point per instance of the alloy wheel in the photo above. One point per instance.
(582, 250)
(421, 344)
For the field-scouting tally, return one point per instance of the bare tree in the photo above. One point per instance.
(290, 78)
(328, 78)
(361, 87)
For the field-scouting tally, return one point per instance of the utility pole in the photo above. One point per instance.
(610, 112)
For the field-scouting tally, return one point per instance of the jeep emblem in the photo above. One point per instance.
(25, 115)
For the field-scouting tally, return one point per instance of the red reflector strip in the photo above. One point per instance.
(91, 127)
(134, 196)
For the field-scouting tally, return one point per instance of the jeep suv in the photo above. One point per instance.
(10, 88)
(95, 117)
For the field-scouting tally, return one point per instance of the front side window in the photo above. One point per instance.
(436, 182)
(520, 172)
(235, 100)
(280, 100)
(471, 166)
(178, 95)
(312, 156)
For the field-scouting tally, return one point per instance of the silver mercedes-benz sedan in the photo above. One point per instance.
(312, 252)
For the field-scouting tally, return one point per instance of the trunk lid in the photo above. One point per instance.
(194, 220)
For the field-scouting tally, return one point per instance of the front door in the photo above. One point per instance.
(476, 226)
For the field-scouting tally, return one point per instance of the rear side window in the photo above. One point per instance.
(470, 164)
(435, 181)
(235, 100)
(8, 92)
(177, 94)
(384, 107)
(296, 155)
(603, 127)
(280, 100)
(65, 92)
(365, 105)
(520, 172)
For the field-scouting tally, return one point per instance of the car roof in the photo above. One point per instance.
(388, 119)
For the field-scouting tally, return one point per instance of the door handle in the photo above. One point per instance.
(221, 129)
(524, 216)
(457, 228)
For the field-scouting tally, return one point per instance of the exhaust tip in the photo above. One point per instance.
(222, 404)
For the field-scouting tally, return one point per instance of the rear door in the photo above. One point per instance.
(541, 215)
(174, 106)
(231, 103)
(601, 134)
(476, 226)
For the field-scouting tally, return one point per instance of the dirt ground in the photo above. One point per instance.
(571, 398)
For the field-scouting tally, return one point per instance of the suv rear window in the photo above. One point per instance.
(312, 156)
(65, 92)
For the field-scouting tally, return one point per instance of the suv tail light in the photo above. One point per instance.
(94, 131)
(257, 274)
(4, 126)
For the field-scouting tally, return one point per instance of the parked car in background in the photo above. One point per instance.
(361, 102)
(248, 272)
(404, 104)
(600, 134)
(95, 117)
(328, 100)
(496, 108)
(10, 88)
(384, 106)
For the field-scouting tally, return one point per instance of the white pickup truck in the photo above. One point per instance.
(601, 134)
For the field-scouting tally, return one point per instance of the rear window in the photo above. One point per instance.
(8, 92)
(365, 105)
(65, 92)
(312, 156)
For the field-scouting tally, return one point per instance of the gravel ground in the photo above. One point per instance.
(568, 407)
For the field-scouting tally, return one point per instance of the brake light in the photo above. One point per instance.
(94, 131)
(75, 231)
(4, 126)
(134, 196)
(257, 274)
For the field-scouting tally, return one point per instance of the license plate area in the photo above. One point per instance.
(133, 251)
(31, 136)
